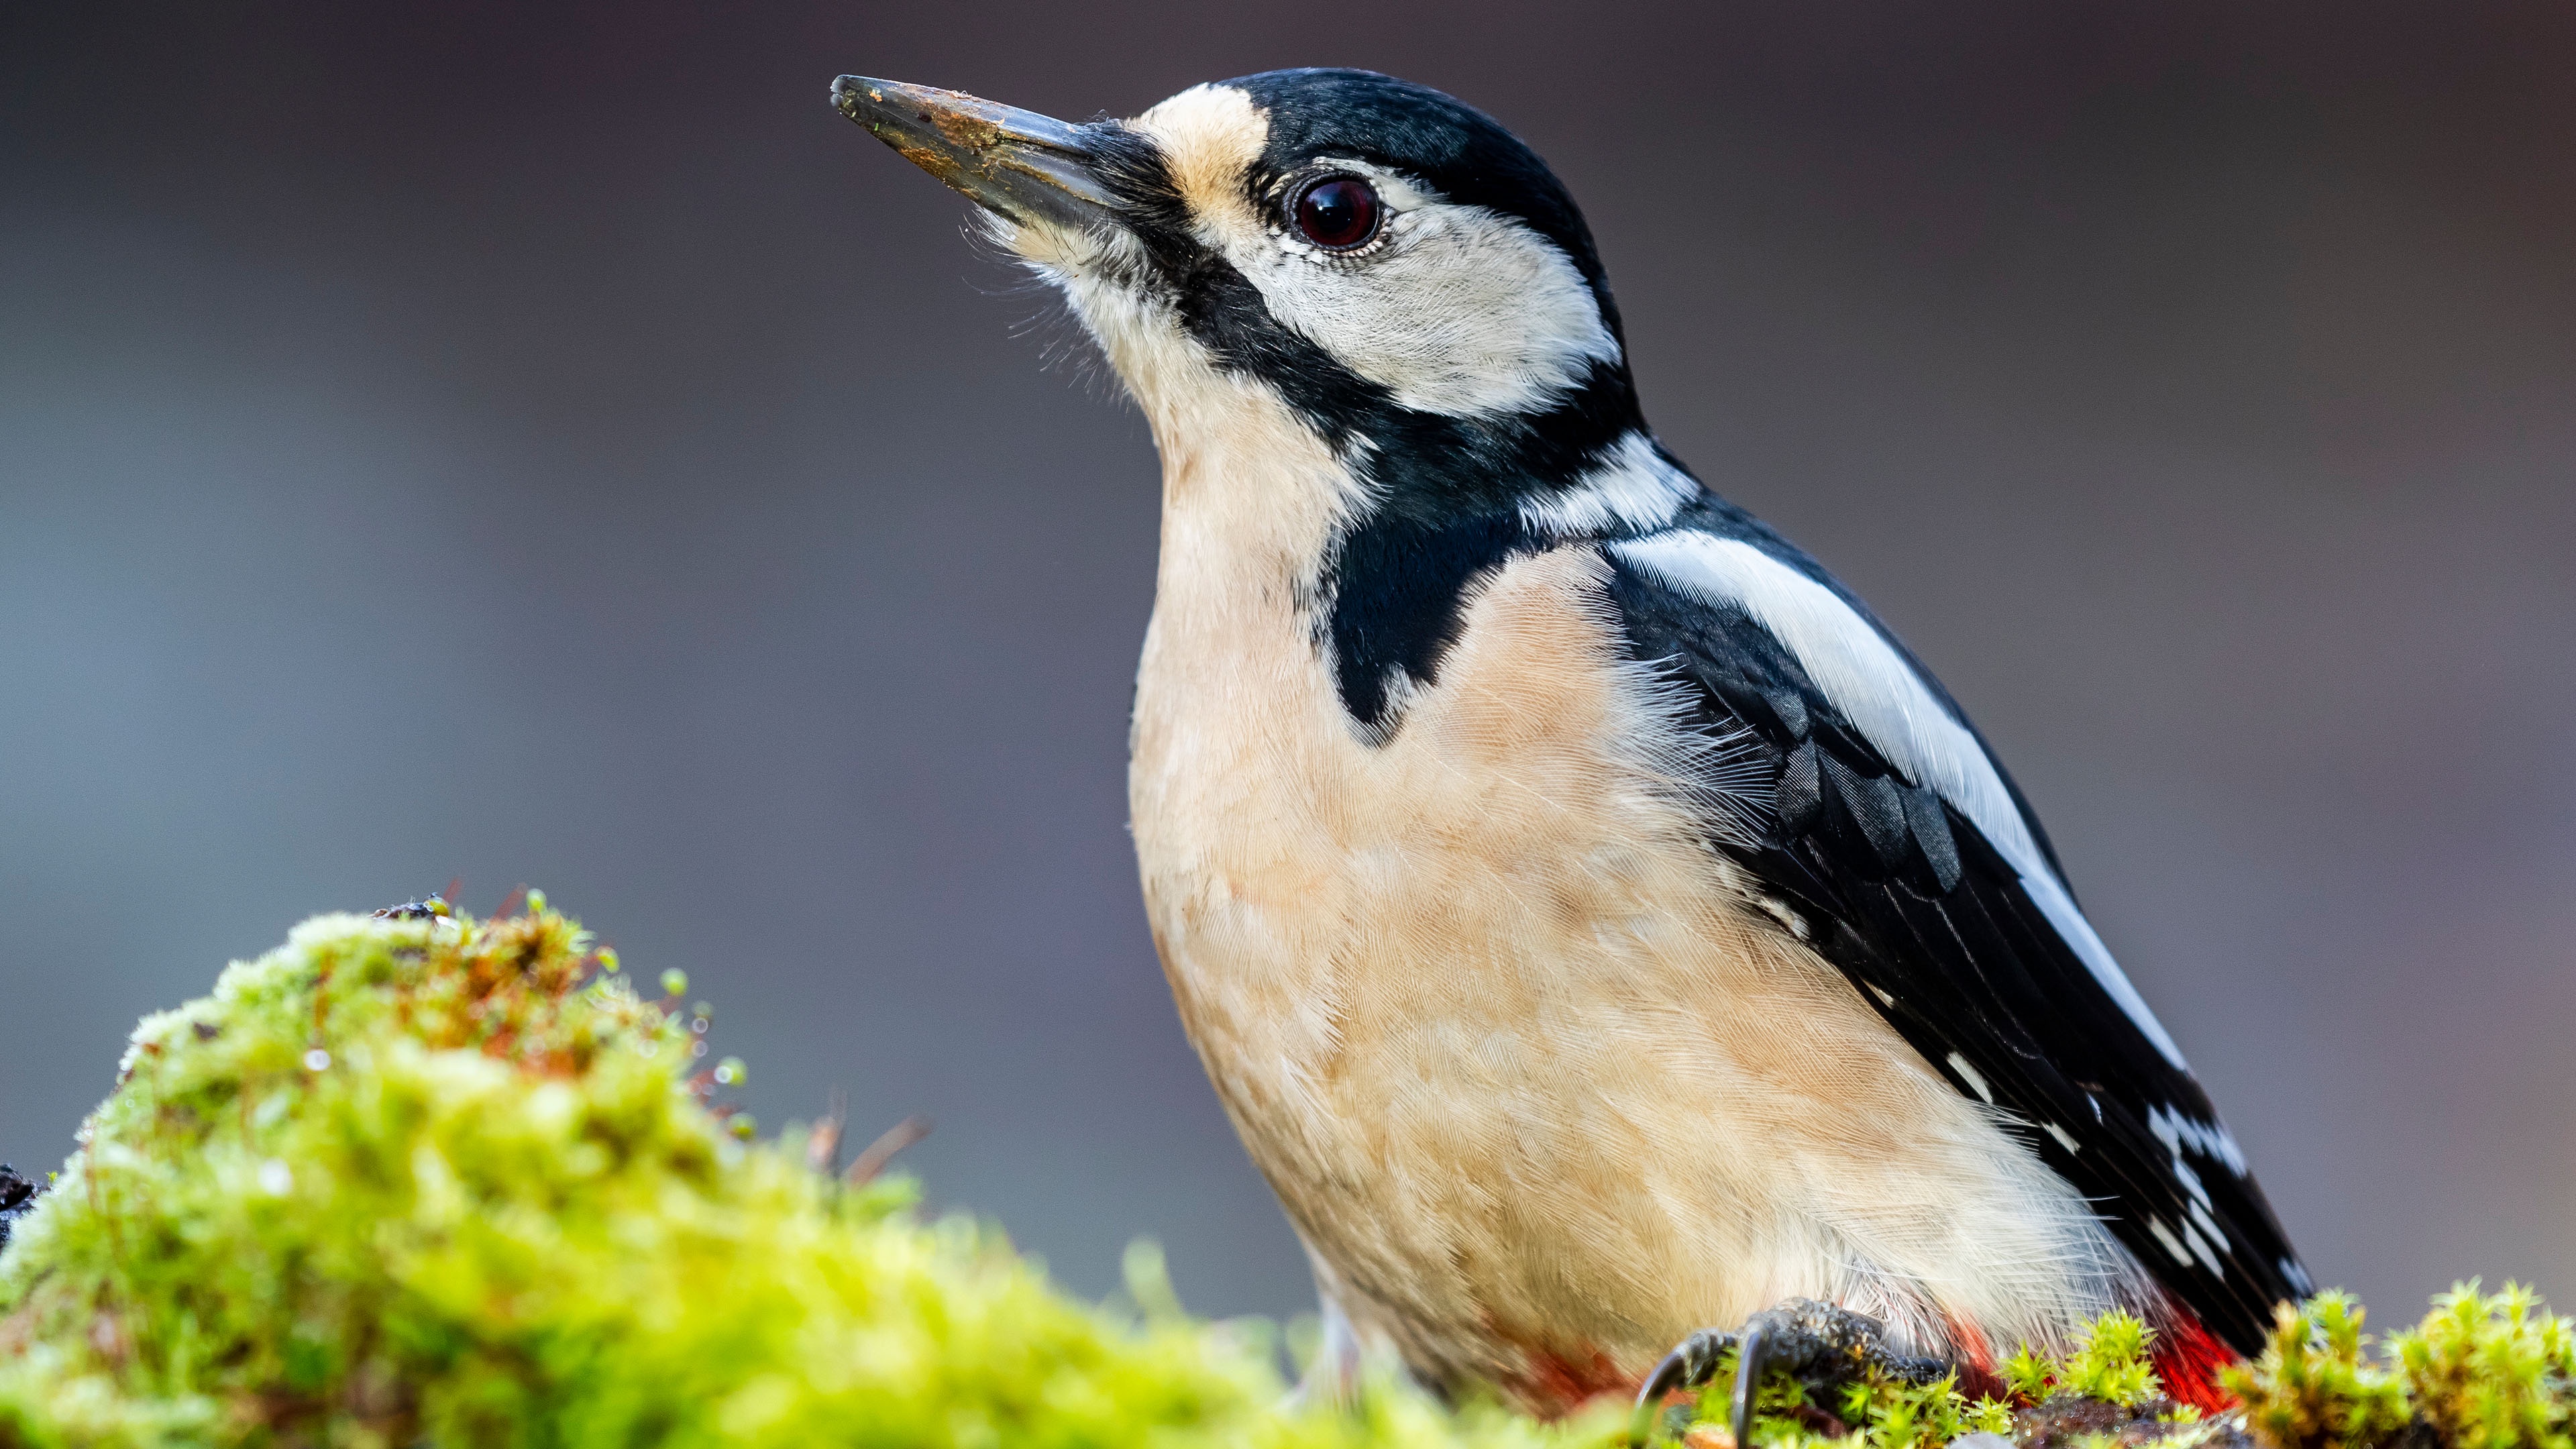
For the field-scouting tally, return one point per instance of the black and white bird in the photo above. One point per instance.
(1597, 923)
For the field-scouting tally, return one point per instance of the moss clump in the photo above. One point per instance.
(2482, 1371)
(438, 1180)
(1887, 1413)
(2104, 1395)
(417, 1179)
(2109, 1366)
(1834, 1380)
(2493, 1372)
(2313, 1389)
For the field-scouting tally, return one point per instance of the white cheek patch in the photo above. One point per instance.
(1458, 310)
(1633, 488)
(1891, 706)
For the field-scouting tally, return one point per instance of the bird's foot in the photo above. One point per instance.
(1819, 1346)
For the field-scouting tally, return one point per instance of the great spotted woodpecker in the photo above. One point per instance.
(1596, 922)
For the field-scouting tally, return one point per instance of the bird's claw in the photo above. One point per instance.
(1695, 1361)
(1817, 1344)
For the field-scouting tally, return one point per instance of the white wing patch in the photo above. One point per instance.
(2210, 1139)
(1871, 684)
(2172, 1244)
(1633, 487)
(2199, 1213)
(2200, 1248)
(1970, 1075)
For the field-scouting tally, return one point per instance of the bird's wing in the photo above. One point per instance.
(1853, 789)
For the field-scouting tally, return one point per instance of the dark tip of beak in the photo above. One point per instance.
(1029, 168)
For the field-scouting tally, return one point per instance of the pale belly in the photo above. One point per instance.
(1539, 1086)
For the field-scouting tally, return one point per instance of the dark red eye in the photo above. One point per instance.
(1338, 212)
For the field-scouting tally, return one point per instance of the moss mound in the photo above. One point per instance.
(2482, 1371)
(418, 1179)
(447, 1181)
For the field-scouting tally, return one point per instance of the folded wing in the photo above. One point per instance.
(1865, 804)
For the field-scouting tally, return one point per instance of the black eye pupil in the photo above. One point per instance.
(1337, 213)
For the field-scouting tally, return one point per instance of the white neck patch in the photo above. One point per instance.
(1633, 487)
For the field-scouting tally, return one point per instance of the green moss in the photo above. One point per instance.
(2109, 1366)
(1888, 1414)
(2480, 1372)
(439, 1181)
(1874, 1410)
(2312, 1388)
(2492, 1372)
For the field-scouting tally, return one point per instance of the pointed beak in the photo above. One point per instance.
(1027, 167)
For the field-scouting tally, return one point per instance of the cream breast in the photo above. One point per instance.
(1444, 982)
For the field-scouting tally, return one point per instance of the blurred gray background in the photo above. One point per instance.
(547, 445)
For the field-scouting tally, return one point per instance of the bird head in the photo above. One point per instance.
(1404, 275)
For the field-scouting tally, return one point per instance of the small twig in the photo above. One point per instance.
(865, 1167)
(823, 1146)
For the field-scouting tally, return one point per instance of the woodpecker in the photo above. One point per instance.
(1599, 927)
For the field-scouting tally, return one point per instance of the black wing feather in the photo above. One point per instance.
(1909, 899)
